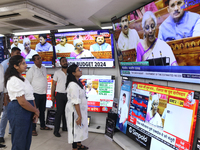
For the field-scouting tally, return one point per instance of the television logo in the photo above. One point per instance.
(138, 135)
(190, 3)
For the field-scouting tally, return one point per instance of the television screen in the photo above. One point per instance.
(34, 44)
(160, 40)
(99, 92)
(86, 48)
(1, 50)
(159, 116)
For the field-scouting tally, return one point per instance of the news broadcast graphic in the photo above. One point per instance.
(99, 92)
(124, 100)
(1, 50)
(160, 40)
(34, 44)
(93, 48)
(165, 119)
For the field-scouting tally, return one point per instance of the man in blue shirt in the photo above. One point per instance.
(180, 24)
(4, 119)
(100, 45)
(43, 46)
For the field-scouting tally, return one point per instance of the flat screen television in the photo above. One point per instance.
(100, 91)
(35, 44)
(157, 117)
(1, 50)
(160, 42)
(94, 48)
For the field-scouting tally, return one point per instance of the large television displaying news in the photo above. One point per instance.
(100, 90)
(1, 50)
(157, 117)
(35, 44)
(86, 48)
(160, 40)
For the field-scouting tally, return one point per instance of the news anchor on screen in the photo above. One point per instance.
(100, 44)
(151, 47)
(79, 52)
(63, 46)
(123, 113)
(43, 46)
(180, 24)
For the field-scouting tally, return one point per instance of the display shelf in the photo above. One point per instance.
(125, 142)
(93, 128)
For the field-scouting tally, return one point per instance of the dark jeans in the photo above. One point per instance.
(21, 123)
(61, 101)
(40, 102)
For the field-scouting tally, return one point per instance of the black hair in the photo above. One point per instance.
(124, 95)
(15, 49)
(100, 35)
(122, 17)
(71, 77)
(11, 71)
(62, 58)
(33, 57)
(43, 35)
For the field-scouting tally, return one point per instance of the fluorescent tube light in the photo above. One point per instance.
(1, 35)
(107, 27)
(32, 32)
(72, 29)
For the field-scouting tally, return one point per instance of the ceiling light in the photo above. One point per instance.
(73, 29)
(32, 32)
(1, 35)
(107, 27)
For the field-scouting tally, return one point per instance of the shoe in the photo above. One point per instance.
(57, 134)
(64, 129)
(2, 140)
(34, 133)
(2, 146)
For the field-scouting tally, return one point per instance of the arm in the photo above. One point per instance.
(77, 107)
(196, 31)
(53, 89)
(29, 75)
(6, 99)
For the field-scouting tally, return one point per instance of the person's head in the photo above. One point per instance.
(27, 44)
(74, 73)
(63, 40)
(155, 103)
(37, 60)
(64, 62)
(43, 38)
(190, 97)
(124, 98)
(100, 39)
(78, 44)
(17, 65)
(124, 24)
(174, 8)
(15, 51)
(149, 23)
(15, 40)
(89, 84)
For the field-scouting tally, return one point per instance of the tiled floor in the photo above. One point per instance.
(47, 141)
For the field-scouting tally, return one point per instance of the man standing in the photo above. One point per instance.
(64, 47)
(17, 44)
(37, 77)
(128, 38)
(43, 46)
(59, 86)
(180, 24)
(123, 113)
(6, 100)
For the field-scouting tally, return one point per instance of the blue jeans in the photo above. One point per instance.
(3, 122)
(21, 123)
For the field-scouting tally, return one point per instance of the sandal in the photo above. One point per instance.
(82, 147)
(45, 128)
(34, 133)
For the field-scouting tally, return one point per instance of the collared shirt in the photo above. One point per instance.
(2, 78)
(187, 26)
(38, 79)
(16, 88)
(19, 45)
(43, 48)
(130, 41)
(104, 47)
(124, 113)
(68, 48)
(61, 78)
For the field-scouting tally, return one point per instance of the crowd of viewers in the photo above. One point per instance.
(23, 101)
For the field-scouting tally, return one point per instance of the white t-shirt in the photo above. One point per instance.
(91, 92)
(124, 113)
(16, 88)
(2, 78)
(61, 78)
(68, 48)
(38, 79)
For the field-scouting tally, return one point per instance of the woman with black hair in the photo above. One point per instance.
(76, 109)
(21, 110)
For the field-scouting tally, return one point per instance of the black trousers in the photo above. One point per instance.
(40, 102)
(61, 101)
(74, 144)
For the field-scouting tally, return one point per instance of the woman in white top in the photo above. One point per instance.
(21, 110)
(76, 109)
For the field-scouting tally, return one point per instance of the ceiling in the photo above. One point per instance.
(88, 14)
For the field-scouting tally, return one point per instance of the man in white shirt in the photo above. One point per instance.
(17, 44)
(123, 113)
(64, 47)
(59, 86)
(128, 38)
(37, 77)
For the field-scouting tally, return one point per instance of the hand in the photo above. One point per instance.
(78, 121)
(53, 98)
(35, 119)
(37, 112)
(6, 99)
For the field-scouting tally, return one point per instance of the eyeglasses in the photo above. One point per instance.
(152, 26)
(79, 45)
(79, 70)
